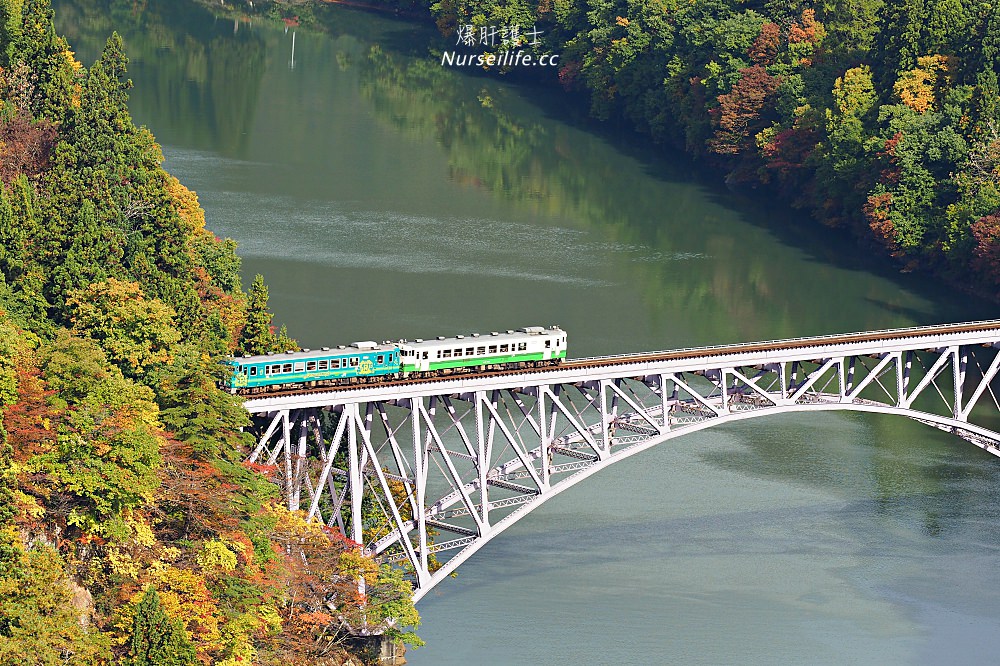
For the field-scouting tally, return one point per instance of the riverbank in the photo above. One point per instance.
(898, 147)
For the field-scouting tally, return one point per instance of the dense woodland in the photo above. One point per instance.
(130, 530)
(878, 116)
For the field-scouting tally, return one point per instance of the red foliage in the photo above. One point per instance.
(986, 231)
(877, 212)
(765, 48)
(789, 150)
(30, 422)
(269, 472)
(569, 74)
(25, 146)
(739, 116)
(194, 499)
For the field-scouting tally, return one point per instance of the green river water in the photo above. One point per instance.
(385, 196)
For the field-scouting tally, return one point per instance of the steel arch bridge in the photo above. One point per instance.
(426, 472)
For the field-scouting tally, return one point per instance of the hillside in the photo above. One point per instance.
(130, 530)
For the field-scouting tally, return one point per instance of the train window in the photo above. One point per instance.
(311, 365)
(380, 359)
(493, 349)
(253, 371)
(275, 369)
(334, 363)
(323, 365)
(503, 348)
(354, 361)
(446, 353)
(548, 343)
(287, 367)
(458, 352)
(481, 350)
(522, 346)
(469, 351)
(425, 356)
(300, 367)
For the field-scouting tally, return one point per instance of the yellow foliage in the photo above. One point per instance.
(71, 59)
(28, 506)
(120, 561)
(239, 633)
(186, 203)
(622, 21)
(916, 88)
(185, 597)
(355, 564)
(215, 556)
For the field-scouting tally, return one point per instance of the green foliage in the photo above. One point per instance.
(157, 640)
(135, 332)
(220, 260)
(39, 623)
(192, 406)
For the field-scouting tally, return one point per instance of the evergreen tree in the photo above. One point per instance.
(257, 336)
(10, 30)
(156, 639)
(197, 412)
(901, 39)
(283, 342)
(48, 56)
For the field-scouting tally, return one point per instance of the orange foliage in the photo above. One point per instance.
(765, 48)
(740, 112)
(809, 31)
(917, 88)
(193, 496)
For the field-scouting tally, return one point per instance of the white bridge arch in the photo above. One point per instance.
(426, 472)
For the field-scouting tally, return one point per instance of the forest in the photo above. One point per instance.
(130, 530)
(881, 117)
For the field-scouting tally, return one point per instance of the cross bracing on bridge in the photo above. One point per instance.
(424, 473)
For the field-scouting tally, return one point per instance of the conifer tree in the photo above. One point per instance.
(10, 30)
(47, 54)
(156, 639)
(257, 337)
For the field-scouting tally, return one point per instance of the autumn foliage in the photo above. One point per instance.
(130, 530)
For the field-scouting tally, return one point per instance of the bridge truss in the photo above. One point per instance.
(426, 473)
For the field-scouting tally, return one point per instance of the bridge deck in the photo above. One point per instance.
(624, 365)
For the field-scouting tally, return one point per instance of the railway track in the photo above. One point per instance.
(790, 344)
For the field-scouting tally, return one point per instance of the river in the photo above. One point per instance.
(385, 196)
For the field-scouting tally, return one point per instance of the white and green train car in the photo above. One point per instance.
(533, 346)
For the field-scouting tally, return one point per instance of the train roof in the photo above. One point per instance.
(481, 338)
(324, 352)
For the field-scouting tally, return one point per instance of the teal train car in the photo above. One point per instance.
(368, 362)
(359, 363)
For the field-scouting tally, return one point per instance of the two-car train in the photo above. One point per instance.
(369, 362)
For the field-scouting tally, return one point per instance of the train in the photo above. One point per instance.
(370, 362)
